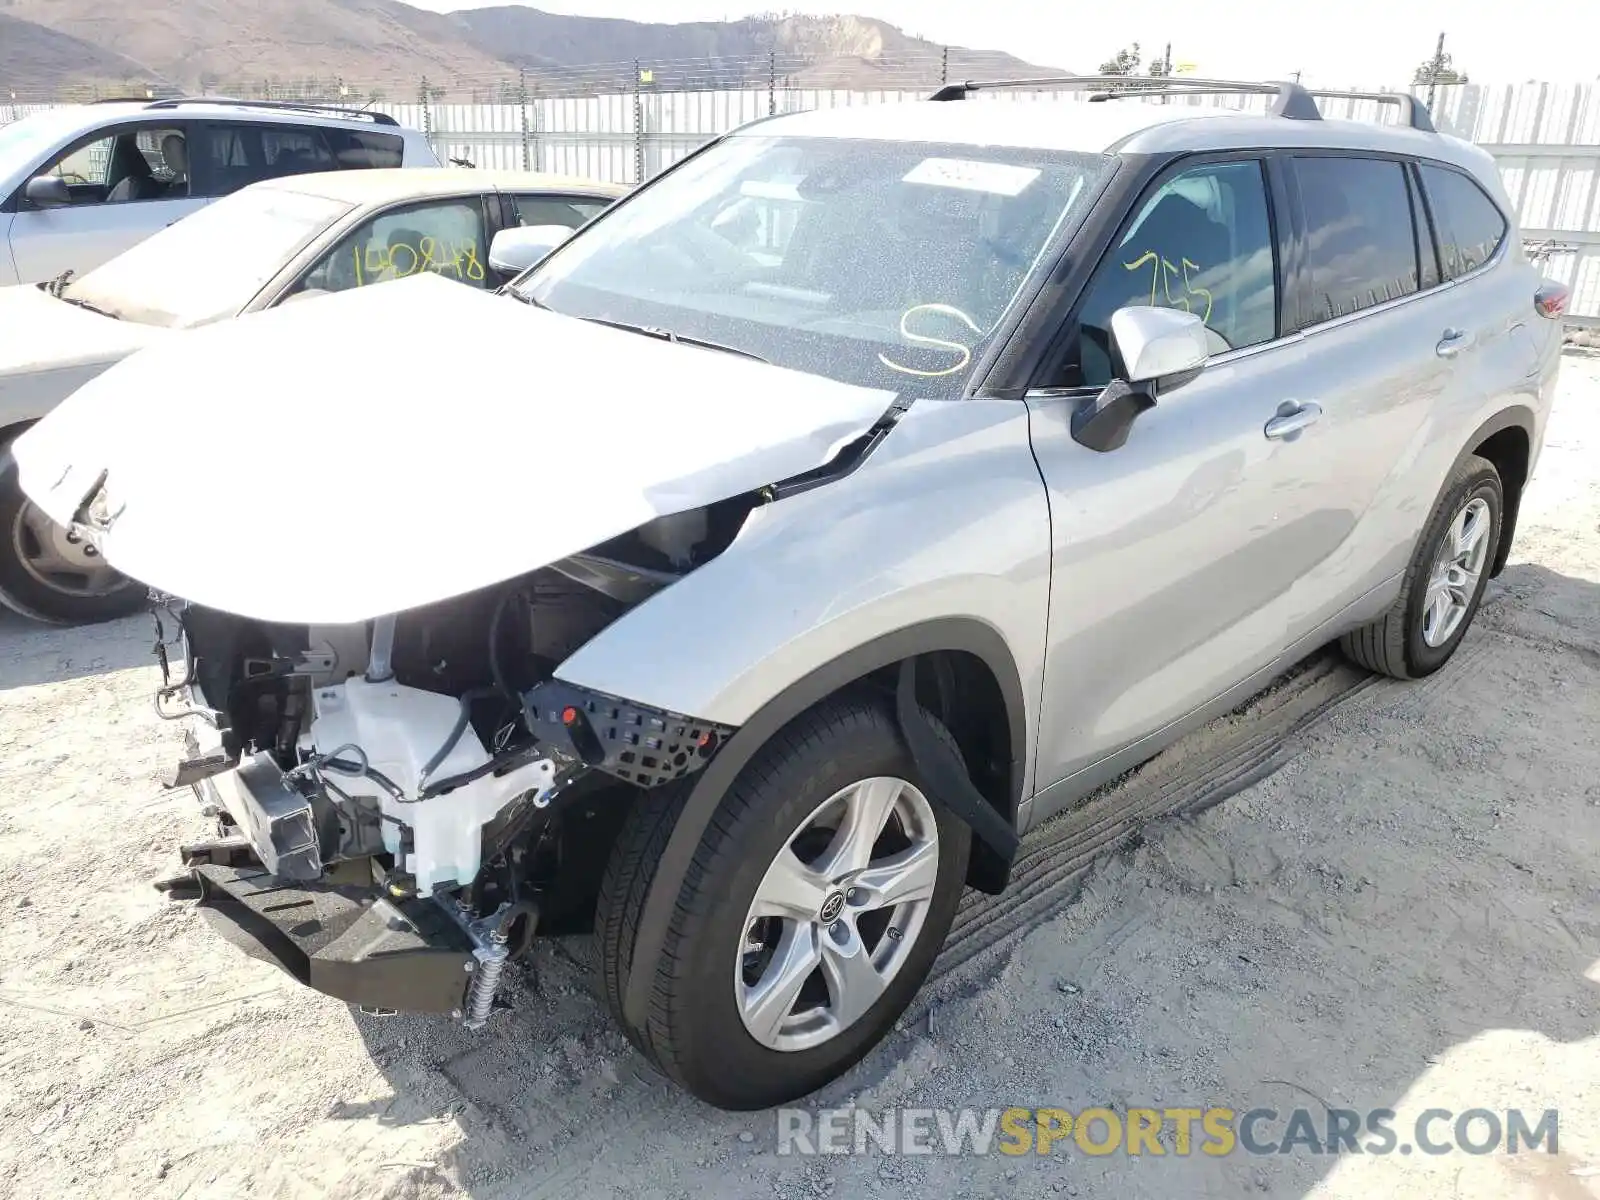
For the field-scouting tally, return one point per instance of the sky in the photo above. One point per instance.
(1335, 43)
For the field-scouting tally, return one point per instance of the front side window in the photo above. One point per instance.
(1202, 243)
(885, 264)
(147, 163)
(1469, 225)
(1361, 242)
(571, 211)
(444, 237)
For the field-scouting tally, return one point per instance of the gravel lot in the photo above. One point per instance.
(1398, 905)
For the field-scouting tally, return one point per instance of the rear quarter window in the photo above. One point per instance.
(365, 148)
(1469, 225)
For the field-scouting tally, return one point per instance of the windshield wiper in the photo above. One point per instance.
(666, 335)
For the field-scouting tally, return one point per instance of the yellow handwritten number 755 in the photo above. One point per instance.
(1162, 275)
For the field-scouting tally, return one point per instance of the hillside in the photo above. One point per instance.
(34, 55)
(841, 51)
(304, 46)
(238, 45)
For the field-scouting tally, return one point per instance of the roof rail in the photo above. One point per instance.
(377, 118)
(1290, 99)
(1412, 111)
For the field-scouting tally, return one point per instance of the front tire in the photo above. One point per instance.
(1444, 583)
(811, 913)
(48, 576)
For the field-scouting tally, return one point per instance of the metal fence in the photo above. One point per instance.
(1545, 137)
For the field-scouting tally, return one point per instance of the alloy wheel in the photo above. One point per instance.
(837, 914)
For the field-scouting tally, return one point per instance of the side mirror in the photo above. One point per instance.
(1157, 346)
(1158, 343)
(47, 191)
(513, 251)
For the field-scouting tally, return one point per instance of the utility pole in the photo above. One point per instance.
(1433, 73)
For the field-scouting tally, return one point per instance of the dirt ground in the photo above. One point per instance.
(1397, 906)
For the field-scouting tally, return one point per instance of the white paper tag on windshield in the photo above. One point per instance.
(999, 179)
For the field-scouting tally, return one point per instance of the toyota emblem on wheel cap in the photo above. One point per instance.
(832, 907)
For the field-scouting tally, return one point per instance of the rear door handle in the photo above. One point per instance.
(1291, 419)
(1453, 343)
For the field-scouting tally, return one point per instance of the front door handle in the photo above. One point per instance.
(1291, 419)
(1453, 343)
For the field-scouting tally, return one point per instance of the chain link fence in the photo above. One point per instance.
(626, 121)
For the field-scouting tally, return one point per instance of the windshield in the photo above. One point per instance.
(23, 143)
(211, 264)
(885, 264)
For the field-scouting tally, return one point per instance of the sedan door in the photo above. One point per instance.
(1174, 555)
(125, 184)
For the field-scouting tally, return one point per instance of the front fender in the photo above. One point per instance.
(939, 541)
(944, 527)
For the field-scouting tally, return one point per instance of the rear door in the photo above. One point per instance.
(1377, 365)
(126, 182)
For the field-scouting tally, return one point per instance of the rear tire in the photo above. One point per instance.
(1444, 583)
(696, 1031)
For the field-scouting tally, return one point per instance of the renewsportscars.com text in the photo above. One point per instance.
(1157, 1132)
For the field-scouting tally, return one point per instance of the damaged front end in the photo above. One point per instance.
(401, 804)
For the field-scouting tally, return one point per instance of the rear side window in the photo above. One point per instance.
(1361, 240)
(362, 148)
(232, 155)
(290, 151)
(1469, 226)
(571, 211)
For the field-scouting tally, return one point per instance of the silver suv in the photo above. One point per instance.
(82, 183)
(746, 578)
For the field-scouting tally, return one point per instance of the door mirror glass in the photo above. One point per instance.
(47, 191)
(1158, 343)
(513, 251)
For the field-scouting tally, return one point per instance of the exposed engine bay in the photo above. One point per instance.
(430, 755)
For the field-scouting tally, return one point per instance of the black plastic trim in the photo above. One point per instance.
(1516, 417)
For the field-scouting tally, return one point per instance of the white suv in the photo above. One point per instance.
(83, 183)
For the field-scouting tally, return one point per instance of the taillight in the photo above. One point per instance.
(1551, 299)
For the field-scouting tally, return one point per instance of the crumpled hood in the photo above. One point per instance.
(332, 460)
(40, 333)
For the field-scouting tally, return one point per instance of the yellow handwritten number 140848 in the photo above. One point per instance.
(403, 259)
(1162, 275)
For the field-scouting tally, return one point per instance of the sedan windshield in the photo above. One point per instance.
(209, 265)
(886, 264)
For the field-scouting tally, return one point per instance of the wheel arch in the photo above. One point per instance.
(962, 667)
(1506, 440)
